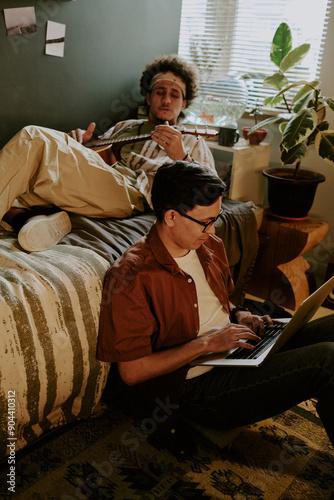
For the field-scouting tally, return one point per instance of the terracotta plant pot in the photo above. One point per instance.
(256, 137)
(288, 197)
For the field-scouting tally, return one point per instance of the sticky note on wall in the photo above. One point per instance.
(55, 39)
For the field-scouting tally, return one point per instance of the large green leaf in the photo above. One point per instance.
(306, 90)
(281, 44)
(299, 128)
(324, 144)
(276, 81)
(294, 57)
(272, 101)
(302, 103)
(330, 102)
(321, 127)
(294, 154)
(291, 86)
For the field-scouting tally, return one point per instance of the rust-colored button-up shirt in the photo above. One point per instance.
(150, 304)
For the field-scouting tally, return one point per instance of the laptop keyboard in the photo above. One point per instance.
(269, 335)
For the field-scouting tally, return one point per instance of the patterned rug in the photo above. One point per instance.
(288, 457)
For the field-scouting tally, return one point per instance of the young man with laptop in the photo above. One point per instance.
(165, 306)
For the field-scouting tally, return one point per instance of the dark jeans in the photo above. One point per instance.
(302, 369)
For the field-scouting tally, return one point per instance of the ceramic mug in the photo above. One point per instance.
(228, 136)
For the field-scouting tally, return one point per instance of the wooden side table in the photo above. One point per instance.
(281, 273)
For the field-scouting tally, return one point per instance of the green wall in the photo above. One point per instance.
(107, 45)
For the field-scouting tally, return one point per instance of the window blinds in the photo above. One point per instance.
(233, 37)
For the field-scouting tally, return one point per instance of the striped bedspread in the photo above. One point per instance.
(49, 312)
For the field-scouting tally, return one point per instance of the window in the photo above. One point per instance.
(232, 38)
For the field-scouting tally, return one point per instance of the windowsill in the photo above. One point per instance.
(241, 144)
(245, 116)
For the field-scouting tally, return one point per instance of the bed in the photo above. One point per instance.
(50, 303)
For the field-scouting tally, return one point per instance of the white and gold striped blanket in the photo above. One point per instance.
(49, 313)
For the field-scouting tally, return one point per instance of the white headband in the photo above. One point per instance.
(169, 77)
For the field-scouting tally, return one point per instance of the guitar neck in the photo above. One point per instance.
(144, 137)
(118, 143)
(122, 140)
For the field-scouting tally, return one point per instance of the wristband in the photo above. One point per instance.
(183, 159)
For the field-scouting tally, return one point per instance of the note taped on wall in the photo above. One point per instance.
(55, 39)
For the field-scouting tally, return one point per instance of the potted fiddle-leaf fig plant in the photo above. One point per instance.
(302, 127)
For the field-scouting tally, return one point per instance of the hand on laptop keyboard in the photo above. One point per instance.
(256, 323)
(271, 332)
(229, 337)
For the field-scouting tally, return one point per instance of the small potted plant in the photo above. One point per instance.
(258, 135)
(304, 126)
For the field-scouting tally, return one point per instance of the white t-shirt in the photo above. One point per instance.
(212, 315)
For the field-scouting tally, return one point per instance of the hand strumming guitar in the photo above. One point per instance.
(170, 140)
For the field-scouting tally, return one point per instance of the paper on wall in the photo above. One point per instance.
(20, 21)
(55, 39)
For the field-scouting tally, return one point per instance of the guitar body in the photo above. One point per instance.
(106, 154)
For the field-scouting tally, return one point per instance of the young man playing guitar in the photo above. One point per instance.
(53, 169)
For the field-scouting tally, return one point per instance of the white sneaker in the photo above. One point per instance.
(44, 231)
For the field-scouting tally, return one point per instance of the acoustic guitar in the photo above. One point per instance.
(107, 146)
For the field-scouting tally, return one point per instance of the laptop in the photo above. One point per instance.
(274, 339)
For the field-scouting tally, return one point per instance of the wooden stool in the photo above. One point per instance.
(280, 273)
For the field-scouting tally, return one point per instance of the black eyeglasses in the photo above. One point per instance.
(205, 225)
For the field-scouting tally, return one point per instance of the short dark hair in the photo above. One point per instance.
(182, 185)
(186, 71)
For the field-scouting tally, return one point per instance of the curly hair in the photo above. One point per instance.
(172, 62)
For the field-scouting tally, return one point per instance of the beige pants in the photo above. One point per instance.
(40, 166)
